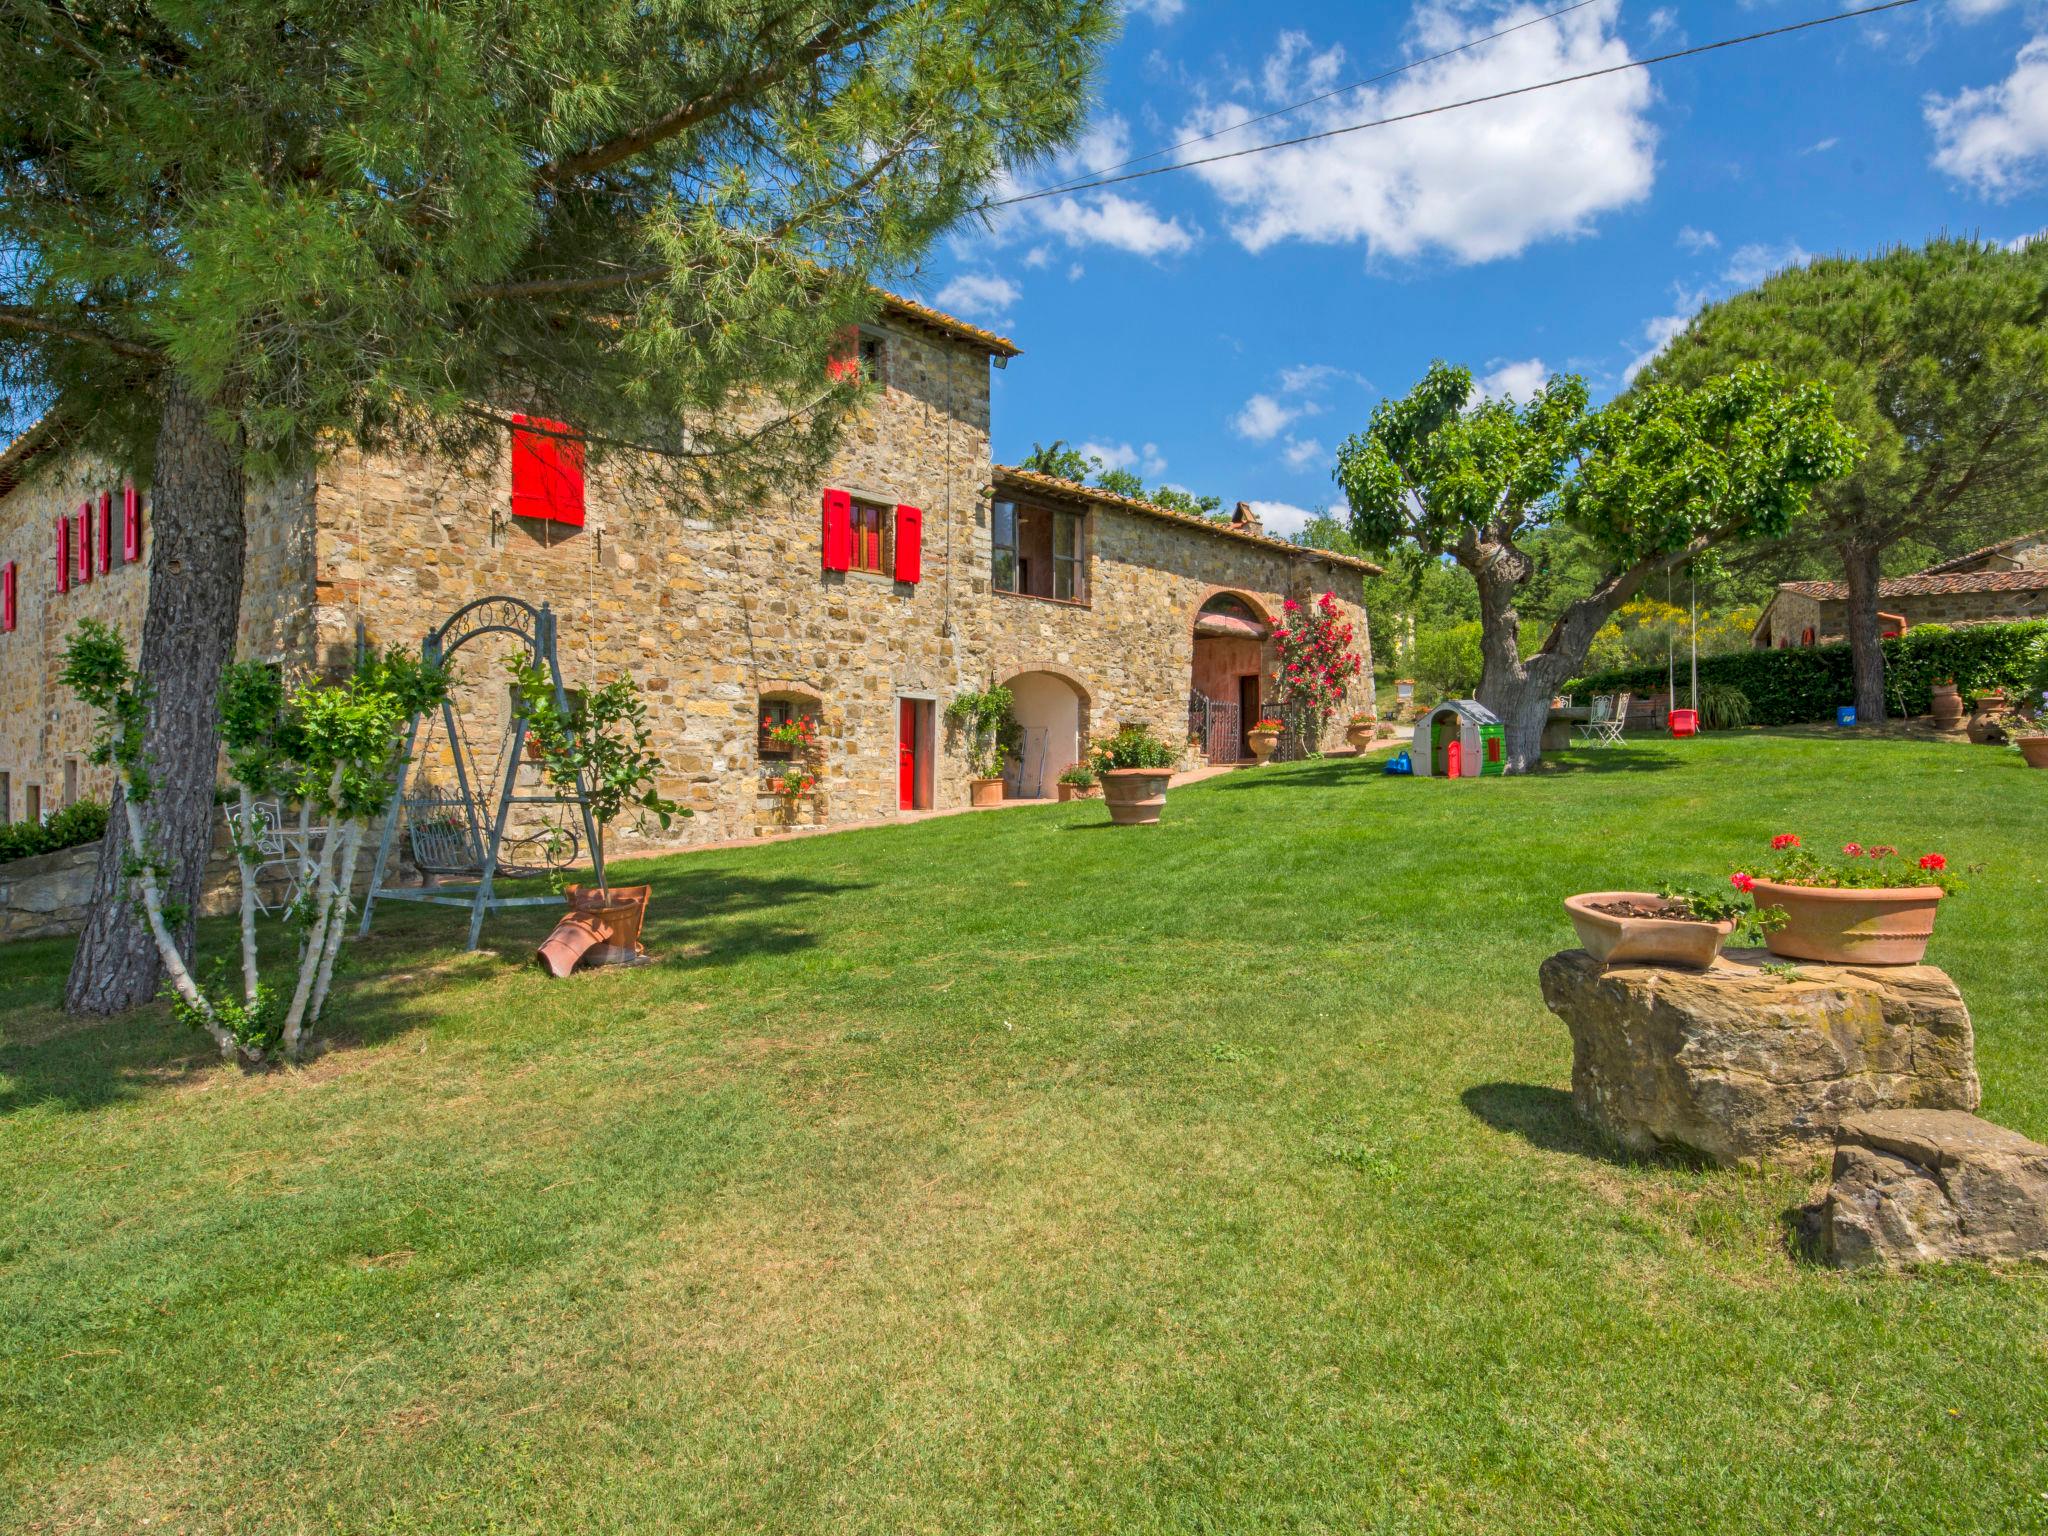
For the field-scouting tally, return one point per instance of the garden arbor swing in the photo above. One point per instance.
(464, 834)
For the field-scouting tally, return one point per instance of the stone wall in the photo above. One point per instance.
(1792, 613)
(46, 896)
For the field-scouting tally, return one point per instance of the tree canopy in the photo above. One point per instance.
(1937, 359)
(1063, 461)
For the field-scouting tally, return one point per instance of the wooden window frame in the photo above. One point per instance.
(872, 518)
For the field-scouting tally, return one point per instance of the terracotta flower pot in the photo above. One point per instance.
(2034, 749)
(1613, 939)
(1360, 735)
(1135, 795)
(574, 936)
(1889, 925)
(623, 910)
(1076, 792)
(984, 791)
(1262, 744)
(1948, 705)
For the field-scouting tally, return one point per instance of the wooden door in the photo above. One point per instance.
(906, 754)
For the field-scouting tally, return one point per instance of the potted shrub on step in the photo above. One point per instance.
(1077, 782)
(1868, 905)
(992, 733)
(601, 736)
(1135, 767)
(1264, 736)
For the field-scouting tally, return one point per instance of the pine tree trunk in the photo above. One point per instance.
(188, 637)
(1866, 650)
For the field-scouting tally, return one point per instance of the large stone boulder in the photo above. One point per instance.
(1920, 1186)
(1745, 1065)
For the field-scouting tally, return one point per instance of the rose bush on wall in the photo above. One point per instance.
(1316, 663)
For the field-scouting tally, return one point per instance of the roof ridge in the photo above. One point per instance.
(1946, 566)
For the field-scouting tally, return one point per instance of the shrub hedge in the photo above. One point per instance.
(82, 821)
(1807, 683)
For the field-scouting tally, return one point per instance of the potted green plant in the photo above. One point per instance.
(2030, 737)
(1077, 782)
(1676, 925)
(1867, 905)
(599, 741)
(991, 733)
(1264, 736)
(1135, 766)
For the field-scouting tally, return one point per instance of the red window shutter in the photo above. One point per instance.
(547, 472)
(63, 553)
(838, 530)
(7, 580)
(131, 524)
(104, 553)
(909, 544)
(83, 554)
(844, 363)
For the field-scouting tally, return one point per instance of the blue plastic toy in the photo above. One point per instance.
(1845, 715)
(1400, 763)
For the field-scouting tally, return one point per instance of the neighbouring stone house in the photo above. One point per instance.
(1998, 584)
(918, 570)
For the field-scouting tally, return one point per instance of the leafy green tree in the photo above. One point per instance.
(1652, 479)
(1938, 360)
(1061, 460)
(240, 236)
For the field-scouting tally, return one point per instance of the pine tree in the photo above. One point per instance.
(240, 236)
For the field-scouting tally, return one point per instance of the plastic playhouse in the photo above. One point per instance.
(1461, 739)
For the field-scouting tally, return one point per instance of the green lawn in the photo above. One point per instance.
(1013, 1173)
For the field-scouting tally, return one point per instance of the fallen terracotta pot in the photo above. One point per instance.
(574, 936)
(623, 908)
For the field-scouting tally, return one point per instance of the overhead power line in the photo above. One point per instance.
(1342, 90)
(1453, 106)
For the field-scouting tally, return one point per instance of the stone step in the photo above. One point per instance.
(1921, 1186)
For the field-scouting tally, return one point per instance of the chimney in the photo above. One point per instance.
(1245, 520)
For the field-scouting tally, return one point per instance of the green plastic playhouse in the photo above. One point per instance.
(1459, 739)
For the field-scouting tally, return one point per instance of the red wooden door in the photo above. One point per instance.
(906, 755)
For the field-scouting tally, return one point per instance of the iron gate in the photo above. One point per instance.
(1216, 726)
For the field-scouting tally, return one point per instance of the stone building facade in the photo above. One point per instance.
(1996, 585)
(722, 619)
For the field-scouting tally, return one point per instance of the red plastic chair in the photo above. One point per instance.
(1685, 722)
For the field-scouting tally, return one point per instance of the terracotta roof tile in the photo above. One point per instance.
(1927, 584)
(939, 320)
(1978, 554)
(1031, 480)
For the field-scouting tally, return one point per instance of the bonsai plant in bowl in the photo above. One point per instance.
(1135, 767)
(1676, 925)
(992, 733)
(1264, 736)
(1867, 905)
(597, 743)
(1077, 782)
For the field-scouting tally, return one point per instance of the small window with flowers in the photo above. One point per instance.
(789, 728)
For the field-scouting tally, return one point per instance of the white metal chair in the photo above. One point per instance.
(1610, 719)
(265, 834)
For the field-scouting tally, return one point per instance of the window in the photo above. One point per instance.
(789, 726)
(6, 798)
(34, 803)
(858, 355)
(871, 359)
(71, 781)
(870, 538)
(1038, 552)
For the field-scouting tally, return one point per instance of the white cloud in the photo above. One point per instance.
(1038, 256)
(1158, 10)
(978, 293)
(1994, 137)
(1308, 376)
(1083, 218)
(1282, 519)
(1977, 10)
(1302, 452)
(1820, 146)
(1751, 264)
(1263, 418)
(1146, 460)
(1513, 381)
(1122, 223)
(1662, 22)
(1480, 183)
(1318, 71)
(1697, 240)
(1074, 272)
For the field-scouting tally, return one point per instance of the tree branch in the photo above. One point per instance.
(23, 319)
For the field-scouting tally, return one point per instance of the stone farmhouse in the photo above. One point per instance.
(918, 570)
(1997, 584)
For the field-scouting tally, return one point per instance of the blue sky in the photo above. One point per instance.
(1224, 329)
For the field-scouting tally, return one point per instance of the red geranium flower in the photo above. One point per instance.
(1854, 850)
(1785, 840)
(1933, 861)
(1742, 882)
(1882, 850)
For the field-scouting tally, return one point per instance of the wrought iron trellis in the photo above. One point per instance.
(484, 826)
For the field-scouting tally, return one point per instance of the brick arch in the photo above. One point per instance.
(1066, 674)
(790, 688)
(1257, 604)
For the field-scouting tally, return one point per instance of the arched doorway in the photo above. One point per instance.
(1225, 694)
(1051, 711)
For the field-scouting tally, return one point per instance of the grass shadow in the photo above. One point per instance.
(1547, 1118)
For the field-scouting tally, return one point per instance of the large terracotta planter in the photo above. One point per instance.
(984, 791)
(622, 909)
(1136, 796)
(1889, 925)
(1262, 743)
(1359, 735)
(1076, 792)
(1948, 705)
(1613, 939)
(2034, 749)
(1987, 716)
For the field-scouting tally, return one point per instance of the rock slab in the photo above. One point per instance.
(1746, 1065)
(1920, 1186)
